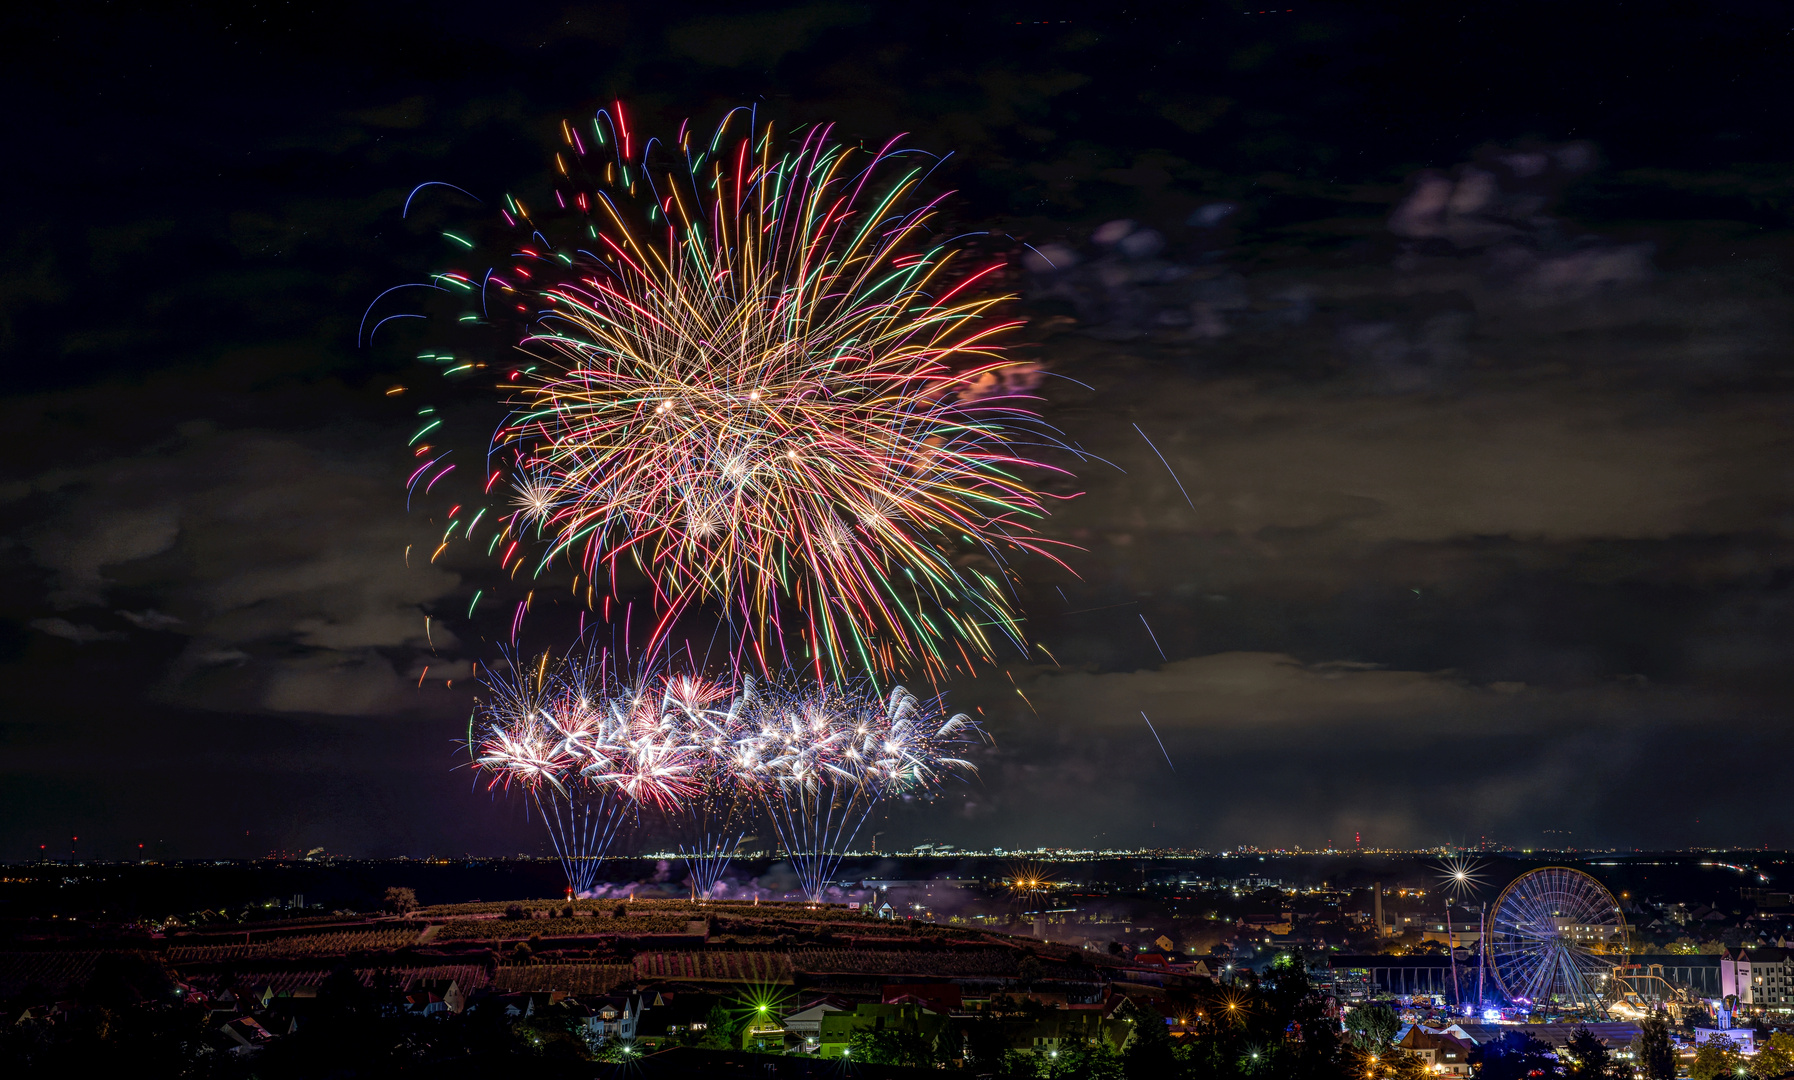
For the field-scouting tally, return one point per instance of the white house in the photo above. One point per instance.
(806, 1025)
(1760, 978)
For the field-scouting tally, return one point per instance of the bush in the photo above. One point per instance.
(1716, 1059)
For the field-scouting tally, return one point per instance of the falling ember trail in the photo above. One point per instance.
(1168, 468)
(1155, 738)
(1155, 639)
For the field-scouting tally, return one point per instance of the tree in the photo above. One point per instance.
(1656, 1057)
(1515, 1056)
(982, 1040)
(1717, 1059)
(1373, 1027)
(1148, 1054)
(400, 900)
(1775, 1057)
(721, 1029)
(1286, 983)
(1586, 1057)
(891, 1046)
(1028, 971)
(123, 979)
(341, 995)
(1096, 1061)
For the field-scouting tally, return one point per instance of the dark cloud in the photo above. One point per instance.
(762, 38)
(1313, 752)
(150, 619)
(1479, 400)
(279, 559)
(80, 635)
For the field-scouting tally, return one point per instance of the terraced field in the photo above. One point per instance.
(470, 977)
(931, 963)
(572, 978)
(327, 944)
(599, 946)
(716, 965)
(55, 972)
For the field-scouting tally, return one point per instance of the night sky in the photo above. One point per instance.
(1466, 329)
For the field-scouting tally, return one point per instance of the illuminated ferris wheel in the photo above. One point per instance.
(1551, 936)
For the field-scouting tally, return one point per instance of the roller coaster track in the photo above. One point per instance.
(1644, 987)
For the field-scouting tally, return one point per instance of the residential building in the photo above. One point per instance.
(614, 1016)
(1457, 934)
(1745, 1039)
(433, 997)
(1065, 1029)
(940, 997)
(803, 1028)
(1761, 978)
(1441, 1054)
(1588, 934)
(839, 1028)
(243, 1036)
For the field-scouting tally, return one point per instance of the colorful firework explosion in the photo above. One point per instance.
(758, 379)
(591, 750)
(820, 757)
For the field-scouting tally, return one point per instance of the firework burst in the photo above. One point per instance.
(535, 730)
(592, 751)
(710, 825)
(758, 379)
(819, 757)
